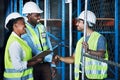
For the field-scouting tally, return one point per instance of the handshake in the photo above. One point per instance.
(56, 59)
(68, 60)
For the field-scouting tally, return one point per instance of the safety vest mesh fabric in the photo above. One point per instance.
(10, 73)
(42, 37)
(94, 69)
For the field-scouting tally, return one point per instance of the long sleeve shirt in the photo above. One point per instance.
(17, 54)
(34, 48)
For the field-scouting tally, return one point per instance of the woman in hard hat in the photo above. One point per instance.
(18, 65)
(95, 45)
(38, 40)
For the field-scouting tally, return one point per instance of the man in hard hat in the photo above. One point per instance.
(95, 45)
(38, 40)
(18, 65)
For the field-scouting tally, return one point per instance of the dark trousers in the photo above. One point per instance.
(42, 71)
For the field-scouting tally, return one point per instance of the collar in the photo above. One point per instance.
(15, 34)
(30, 25)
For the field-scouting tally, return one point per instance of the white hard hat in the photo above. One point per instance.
(31, 7)
(91, 18)
(13, 15)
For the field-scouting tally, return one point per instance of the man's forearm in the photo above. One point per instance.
(69, 60)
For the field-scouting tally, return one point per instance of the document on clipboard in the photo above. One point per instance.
(41, 55)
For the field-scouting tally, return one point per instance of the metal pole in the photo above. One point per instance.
(20, 6)
(46, 12)
(15, 5)
(83, 59)
(63, 37)
(37, 2)
(78, 13)
(59, 9)
(48, 9)
(70, 36)
(116, 38)
(11, 6)
(45, 15)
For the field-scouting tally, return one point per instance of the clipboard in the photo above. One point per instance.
(41, 55)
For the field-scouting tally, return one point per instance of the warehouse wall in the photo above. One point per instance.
(107, 10)
(1, 36)
(1, 22)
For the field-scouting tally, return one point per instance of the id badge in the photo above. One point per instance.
(43, 35)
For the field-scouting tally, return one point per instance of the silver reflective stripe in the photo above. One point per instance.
(76, 74)
(76, 66)
(95, 72)
(93, 63)
(88, 63)
(21, 78)
(14, 71)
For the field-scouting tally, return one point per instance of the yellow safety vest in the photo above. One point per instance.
(94, 69)
(41, 40)
(10, 73)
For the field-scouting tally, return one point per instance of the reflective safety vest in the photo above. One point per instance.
(40, 41)
(94, 69)
(10, 73)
